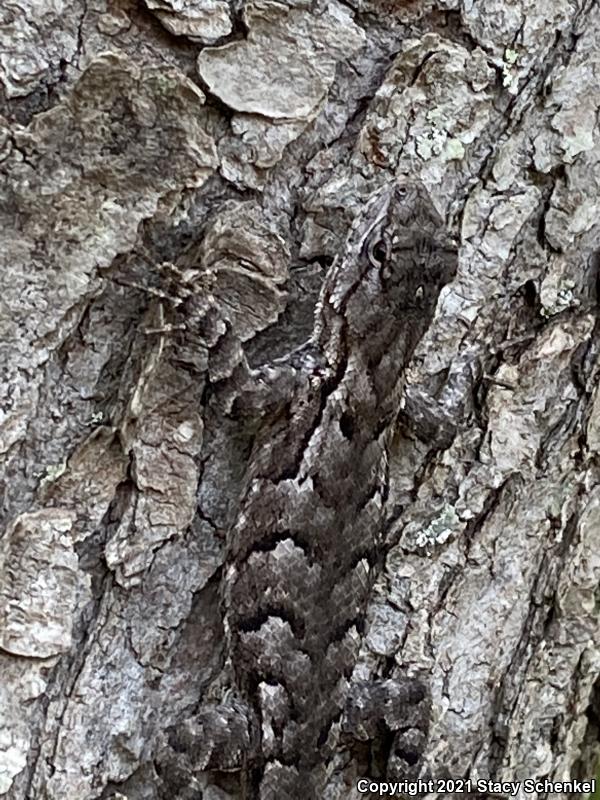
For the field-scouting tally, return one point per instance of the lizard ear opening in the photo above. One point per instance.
(379, 252)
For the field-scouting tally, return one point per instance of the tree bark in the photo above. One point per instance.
(157, 155)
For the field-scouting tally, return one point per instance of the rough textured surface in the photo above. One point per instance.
(204, 21)
(179, 183)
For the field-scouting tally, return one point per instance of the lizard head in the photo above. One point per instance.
(409, 250)
(398, 257)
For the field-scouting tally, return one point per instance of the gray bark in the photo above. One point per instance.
(155, 152)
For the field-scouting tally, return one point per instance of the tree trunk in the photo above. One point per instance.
(177, 182)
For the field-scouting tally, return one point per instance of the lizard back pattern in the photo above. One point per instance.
(302, 552)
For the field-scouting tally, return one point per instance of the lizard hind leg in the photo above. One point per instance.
(219, 738)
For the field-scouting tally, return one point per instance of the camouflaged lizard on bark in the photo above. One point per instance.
(308, 533)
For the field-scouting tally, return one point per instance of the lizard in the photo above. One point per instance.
(307, 537)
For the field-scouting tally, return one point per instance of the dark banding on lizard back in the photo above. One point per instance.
(302, 550)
